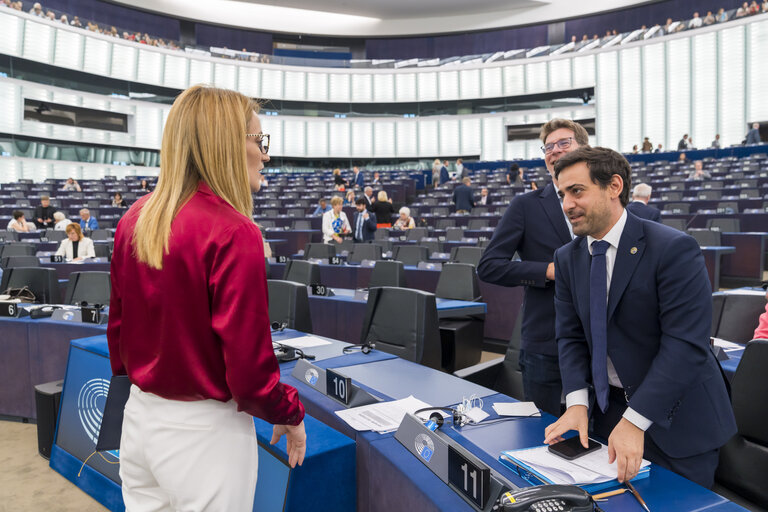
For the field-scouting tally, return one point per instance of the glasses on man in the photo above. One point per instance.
(262, 139)
(562, 144)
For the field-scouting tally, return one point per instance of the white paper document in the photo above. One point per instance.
(303, 342)
(523, 409)
(382, 417)
(728, 346)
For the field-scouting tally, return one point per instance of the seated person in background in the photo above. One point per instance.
(364, 225)
(322, 207)
(698, 173)
(145, 186)
(61, 221)
(639, 205)
(349, 199)
(44, 213)
(71, 186)
(515, 176)
(86, 221)
(485, 199)
(377, 177)
(682, 158)
(338, 179)
(405, 221)
(383, 209)
(761, 333)
(76, 247)
(19, 224)
(659, 149)
(335, 222)
(118, 201)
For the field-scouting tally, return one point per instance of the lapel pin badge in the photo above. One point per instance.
(633, 250)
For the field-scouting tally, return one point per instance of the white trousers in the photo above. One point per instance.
(187, 456)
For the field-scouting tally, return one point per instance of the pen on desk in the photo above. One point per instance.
(604, 495)
(637, 495)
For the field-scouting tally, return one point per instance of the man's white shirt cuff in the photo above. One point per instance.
(581, 397)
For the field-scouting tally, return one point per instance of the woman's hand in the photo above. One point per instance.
(296, 439)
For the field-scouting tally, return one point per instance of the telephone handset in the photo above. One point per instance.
(565, 498)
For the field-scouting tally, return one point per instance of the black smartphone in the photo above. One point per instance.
(572, 448)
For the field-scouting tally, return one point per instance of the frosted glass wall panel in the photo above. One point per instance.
(428, 139)
(654, 94)
(493, 82)
(124, 62)
(493, 138)
(448, 85)
(630, 121)
(405, 87)
(362, 139)
(470, 136)
(560, 74)
(200, 72)
(362, 87)
(176, 71)
(450, 136)
(757, 71)
(470, 83)
(733, 125)
(249, 81)
(704, 98)
(96, 57)
(274, 127)
(384, 139)
(150, 67)
(10, 169)
(10, 106)
(148, 122)
(678, 91)
(516, 149)
(295, 85)
(68, 52)
(295, 135)
(37, 41)
(339, 88)
(607, 104)
(317, 138)
(225, 76)
(339, 139)
(10, 33)
(384, 87)
(427, 86)
(407, 138)
(317, 87)
(536, 77)
(514, 80)
(271, 84)
(584, 71)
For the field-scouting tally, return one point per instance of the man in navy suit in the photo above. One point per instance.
(639, 205)
(444, 176)
(534, 226)
(753, 135)
(633, 307)
(464, 196)
(358, 180)
(364, 225)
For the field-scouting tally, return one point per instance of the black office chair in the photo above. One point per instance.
(43, 282)
(319, 251)
(433, 245)
(303, 272)
(454, 234)
(724, 225)
(362, 252)
(100, 234)
(289, 304)
(705, 237)
(478, 223)
(466, 254)
(55, 236)
(744, 459)
(410, 254)
(679, 224)
(462, 336)
(19, 261)
(302, 225)
(266, 267)
(739, 315)
(90, 287)
(102, 251)
(416, 234)
(445, 223)
(17, 250)
(458, 281)
(677, 208)
(381, 234)
(403, 322)
(728, 207)
(387, 273)
(9, 236)
(709, 195)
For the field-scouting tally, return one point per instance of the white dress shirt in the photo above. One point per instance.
(581, 396)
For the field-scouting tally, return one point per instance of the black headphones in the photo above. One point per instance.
(459, 419)
(279, 327)
(84, 304)
(365, 348)
(284, 353)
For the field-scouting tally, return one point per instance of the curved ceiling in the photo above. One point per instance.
(377, 18)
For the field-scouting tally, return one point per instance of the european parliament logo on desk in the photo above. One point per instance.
(425, 447)
(90, 406)
(311, 376)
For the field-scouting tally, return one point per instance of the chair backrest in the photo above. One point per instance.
(677, 207)
(454, 234)
(445, 223)
(302, 224)
(55, 236)
(509, 380)
(403, 322)
(733, 206)
(319, 251)
(432, 245)
(679, 224)
(289, 304)
(724, 225)
(710, 195)
(458, 281)
(90, 287)
(705, 237)
(416, 233)
(387, 273)
(739, 315)
(302, 272)
(17, 250)
(478, 223)
(410, 254)
(744, 459)
(42, 281)
(19, 261)
(9, 236)
(465, 254)
(100, 234)
(364, 252)
(102, 251)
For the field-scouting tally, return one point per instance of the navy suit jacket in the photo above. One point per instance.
(533, 226)
(753, 136)
(444, 176)
(369, 227)
(358, 181)
(642, 210)
(659, 315)
(464, 198)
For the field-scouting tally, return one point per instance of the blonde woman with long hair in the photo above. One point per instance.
(189, 320)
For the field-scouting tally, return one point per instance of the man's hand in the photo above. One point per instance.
(625, 446)
(39, 220)
(576, 418)
(337, 238)
(296, 439)
(551, 271)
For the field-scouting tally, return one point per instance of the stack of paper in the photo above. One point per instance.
(382, 417)
(521, 409)
(303, 342)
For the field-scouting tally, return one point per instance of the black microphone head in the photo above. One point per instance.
(437, 418)
(275, 326)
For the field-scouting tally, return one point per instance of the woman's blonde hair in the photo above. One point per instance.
(76, 228)
(382, 196)
(203, 140)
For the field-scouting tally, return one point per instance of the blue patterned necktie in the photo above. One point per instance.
(598, 312)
